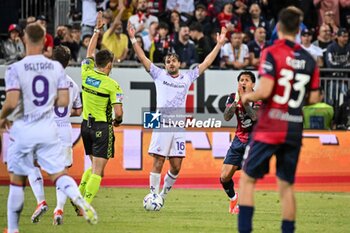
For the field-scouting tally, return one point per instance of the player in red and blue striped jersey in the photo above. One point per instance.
(289, 78)
(246, 117)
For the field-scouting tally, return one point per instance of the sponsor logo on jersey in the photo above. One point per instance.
(92, 82)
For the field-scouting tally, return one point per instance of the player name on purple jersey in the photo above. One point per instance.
(38, 66)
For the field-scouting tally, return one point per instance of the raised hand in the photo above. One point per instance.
(240, 89)
(5, 124)
(99, 20)
(131, 30)
(221, 38)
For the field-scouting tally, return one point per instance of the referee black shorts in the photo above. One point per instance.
(98, 139)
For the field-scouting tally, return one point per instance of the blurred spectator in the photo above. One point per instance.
(115, 40)
(30, 19)
(83, 48)
(70, 43)
(108, 18)
(75, 15)
(61, 31)
(338, 53)
(327, 8)
(64, 37)
(240, 8)
(161, 44)
(142, 19)
(342, 114)
(338, 56)
(184, 7)
(201, 16)
(256, 46)
(76, 32)
(275, 6)
(310, 13)
(41, 19)
(89, 14)
(235, 54)
(114, 6)
(329, 19)
(185, 48)
(13, 48)
(319, 115)
(175, 21)
(219, 4)
(157, 8)
(133, 55)
(345, 14)
(148, 39)
(301, 28)
(245, 38)
(201, 41)
(324, 39)
(255, 20)
(316, 52)
(226, 18)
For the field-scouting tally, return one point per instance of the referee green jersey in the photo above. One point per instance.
(100, 92)
(318, 116)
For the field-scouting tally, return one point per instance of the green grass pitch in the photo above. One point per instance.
(185, 210)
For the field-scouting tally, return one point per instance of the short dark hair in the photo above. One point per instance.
(289, 20)
(35, 32)
(103, 57)
(196, 26)
(183, 25)
(249, 73)
(163, 25)
(172, 55)
(61, 54)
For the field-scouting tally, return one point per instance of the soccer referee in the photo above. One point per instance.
(101, 95)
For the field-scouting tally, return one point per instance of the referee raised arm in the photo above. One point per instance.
(101, 95)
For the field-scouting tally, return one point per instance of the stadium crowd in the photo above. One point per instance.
(189, 27)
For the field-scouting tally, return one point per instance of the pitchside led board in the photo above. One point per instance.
(325, 156)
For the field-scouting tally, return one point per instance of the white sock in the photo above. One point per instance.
(68, 186)
(154, 182)
(169, 181)
(61, 199)
(15, 203)
(234, 197)
(36, 182)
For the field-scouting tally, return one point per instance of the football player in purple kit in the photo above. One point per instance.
(172, 87)
(246, 116)
(289, 79)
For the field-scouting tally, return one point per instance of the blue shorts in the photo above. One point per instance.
(235, 153)
(257, 158)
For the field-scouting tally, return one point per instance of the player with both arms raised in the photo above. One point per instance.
(172, 88)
